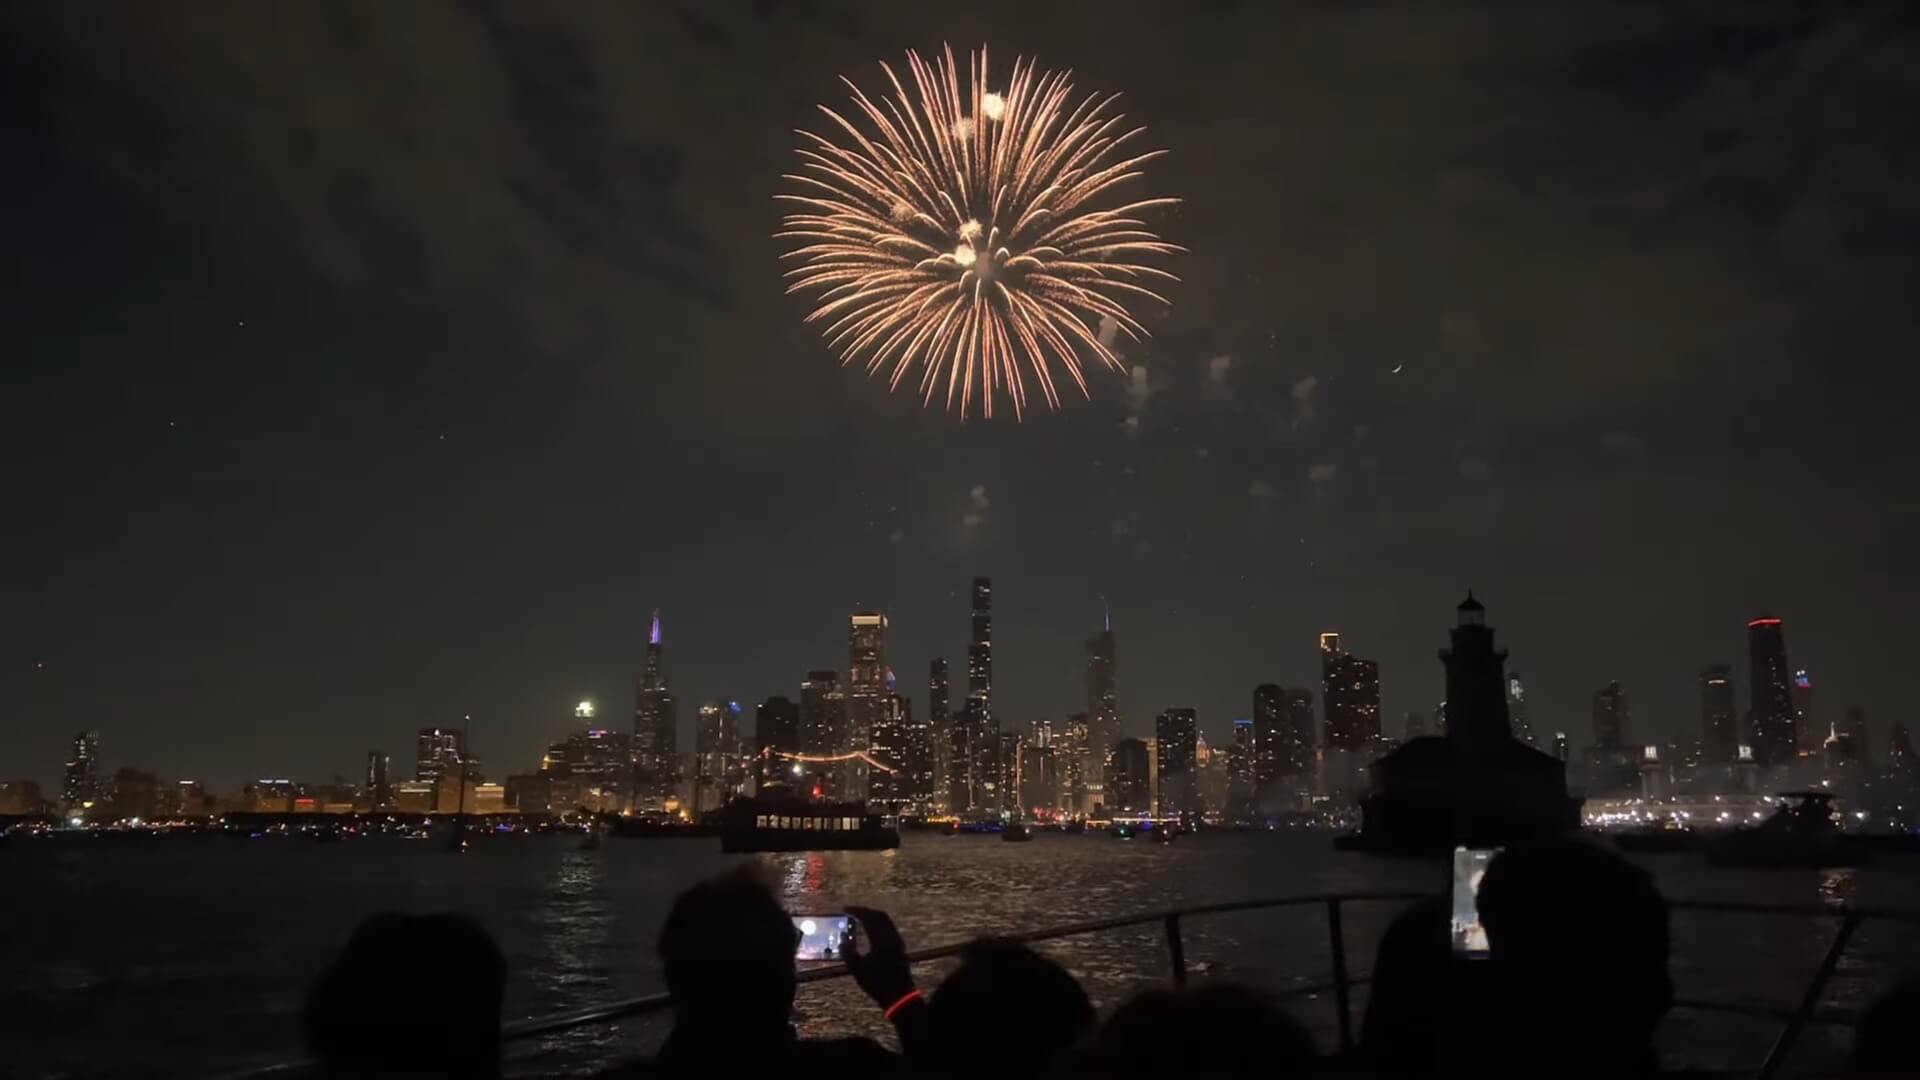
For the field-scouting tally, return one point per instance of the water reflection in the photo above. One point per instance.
(1837, 886)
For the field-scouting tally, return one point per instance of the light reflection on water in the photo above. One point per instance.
(213, 971)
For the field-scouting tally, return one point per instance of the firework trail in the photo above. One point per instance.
(973, 232)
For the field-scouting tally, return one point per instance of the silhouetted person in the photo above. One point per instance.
(727, 951)
(1217, 1030)
(1886, 1042)
(1005, 1012)
(411, 996)
(1577, 951)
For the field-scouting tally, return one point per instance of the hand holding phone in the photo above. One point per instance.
(1469, 866)
(822, 937)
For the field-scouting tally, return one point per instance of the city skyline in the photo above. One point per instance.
(345, 403)
(826, 724)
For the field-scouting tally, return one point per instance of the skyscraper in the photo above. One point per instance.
(1610, 716)
(1809, 733)
(379, 788)
(655, 726)
(1350, 689)
(917, 786)
(893, 746)
(1103, 708)
(1282, 734)
(1853, 727)
(867, 691)
(81, 783)
(983, 731)
(823, 725)
(1240, 771)
(940, 729)
(438, 752)
(1770, 711)
(776, 731)
(1176, 744)
(1517, 708)
(1719, 723)
(718, 772)
(1127, 779)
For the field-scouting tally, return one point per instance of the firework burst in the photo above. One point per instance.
(974, 233)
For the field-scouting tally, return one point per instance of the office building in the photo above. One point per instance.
(1853, 728)
(823, 728)
(776, 734)
(1809, 733)
(940, 729)
(983, 794)
(1176, 746)
(1283, 735)
(1241, 756)
(917, 785)
(80, 785)
(1517, 709)
(1903, 766)
(893, 785)
(589, 770)
(379, 787)
(1770, 710)
(655, 739)
(1350, 693)
(719, 771)
(1719, 723)
(1610, 717)
(867, 692)
(1038, 779)
(1071, 759)
(1128, 775)
(438, 752)
(1103, 709)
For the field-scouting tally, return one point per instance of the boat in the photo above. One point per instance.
(1016, 831)
(782, 822)
(1121, 830)
(1801, 833)
(1163, 835)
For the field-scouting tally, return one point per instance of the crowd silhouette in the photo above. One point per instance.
(1574, 982)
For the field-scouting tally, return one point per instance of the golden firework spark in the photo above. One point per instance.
(973, 233)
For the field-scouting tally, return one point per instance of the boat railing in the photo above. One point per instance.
(1340, 983)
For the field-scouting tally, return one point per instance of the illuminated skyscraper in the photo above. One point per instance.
(1127, 782)
(1350, 690)
(1719, 722)
(776, 731)
(655, 726)
(895, 746)
(867, 692)
(1240, 776)
(1103, 707)
(983, 731)
(917, 785)
(81, 784)
(1610, 717)
(1809, 733)
(1176, 743)
(438, 752)
(718, 768)
(379, 788)
(941, 730)
(1283, 724)
(1770, 710)
(823, 726)
(1517, 709)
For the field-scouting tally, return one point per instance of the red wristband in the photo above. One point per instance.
(909, 996)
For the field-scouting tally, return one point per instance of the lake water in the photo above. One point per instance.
(190, 955)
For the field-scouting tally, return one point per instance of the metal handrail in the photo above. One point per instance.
(1794, 1020)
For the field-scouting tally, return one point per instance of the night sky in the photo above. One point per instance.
(370, 365)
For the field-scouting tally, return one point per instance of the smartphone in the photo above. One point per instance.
(822, 937)
(1469, 866)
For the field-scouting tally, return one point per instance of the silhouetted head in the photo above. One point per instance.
(1887, 1040)
(727, 953)
(1577, 940)
(411, 995)
(1217, 1030)
(1008, 1010)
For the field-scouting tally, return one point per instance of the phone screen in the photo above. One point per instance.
(1469, 866)
(822, 937)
